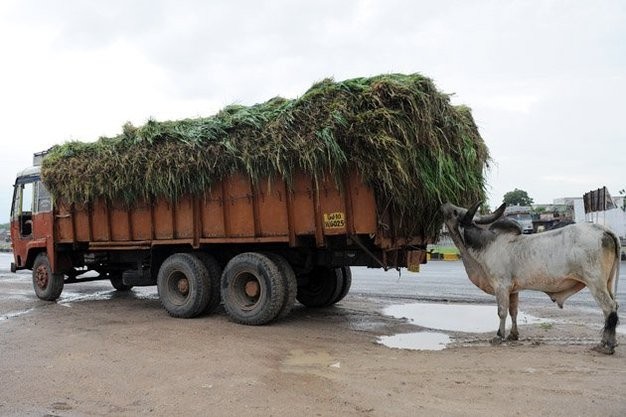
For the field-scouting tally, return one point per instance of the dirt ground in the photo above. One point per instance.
(125, 356)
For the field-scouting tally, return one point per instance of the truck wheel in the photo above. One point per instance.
(48, 286)
(118, 283)
(322, 287)
(253, 289)
(345, 284)
(184, 286)
(291, 284)
(215, 274)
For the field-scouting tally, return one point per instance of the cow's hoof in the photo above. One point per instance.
(604, 348)
(496, 341)
(512, 337)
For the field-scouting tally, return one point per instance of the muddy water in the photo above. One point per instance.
(467, 318)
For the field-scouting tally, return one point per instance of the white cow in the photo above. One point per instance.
(501, 261)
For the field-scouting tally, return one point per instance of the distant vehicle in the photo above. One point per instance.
(522, 215)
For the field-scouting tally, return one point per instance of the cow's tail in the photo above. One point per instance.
(614, 279)
(618, 262)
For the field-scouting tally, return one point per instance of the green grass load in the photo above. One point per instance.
(414, 148)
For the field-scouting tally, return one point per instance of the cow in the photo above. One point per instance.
(501, 261)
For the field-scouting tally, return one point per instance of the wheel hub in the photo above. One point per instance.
(42, 277)
(252, 289)
(183, 286)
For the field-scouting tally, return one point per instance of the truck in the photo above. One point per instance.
(256, 206)
(255, 246)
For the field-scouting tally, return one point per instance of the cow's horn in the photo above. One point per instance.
(490, 218)
(469, 216)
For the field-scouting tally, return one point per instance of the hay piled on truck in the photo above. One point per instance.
(412, 146)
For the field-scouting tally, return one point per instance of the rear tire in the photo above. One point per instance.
(48, 286)
(184, 286)
(322, 287)
(345, 284)
(290, 283)
(253, 289)
(215, 275)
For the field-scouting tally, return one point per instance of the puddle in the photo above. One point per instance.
(416, 341)
(467, 318)
(308, 362)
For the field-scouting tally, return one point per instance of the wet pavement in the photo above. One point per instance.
(439, 301)
(450, 305)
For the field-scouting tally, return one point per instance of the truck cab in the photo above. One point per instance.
(31, 218)
(32, 232)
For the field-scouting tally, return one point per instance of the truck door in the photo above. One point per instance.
(22, 212)
(31, 219)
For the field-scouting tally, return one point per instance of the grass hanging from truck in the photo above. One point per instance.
(411, 145)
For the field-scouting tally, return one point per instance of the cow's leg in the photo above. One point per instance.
(609, 308)
(502, 298)
(513, 303)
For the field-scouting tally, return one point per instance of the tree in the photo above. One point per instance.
(484, 209)
(517, 197)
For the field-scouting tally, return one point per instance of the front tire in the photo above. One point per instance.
(183, 285)
(253, 289)
(48, 286)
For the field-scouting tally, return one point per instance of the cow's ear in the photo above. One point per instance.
(469, 216)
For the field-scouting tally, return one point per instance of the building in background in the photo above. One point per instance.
(599, 207)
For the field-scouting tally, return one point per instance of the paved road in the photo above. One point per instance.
(438, 281)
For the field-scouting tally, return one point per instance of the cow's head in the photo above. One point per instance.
(465, 227)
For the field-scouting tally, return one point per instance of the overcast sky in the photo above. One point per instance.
(546, 79)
